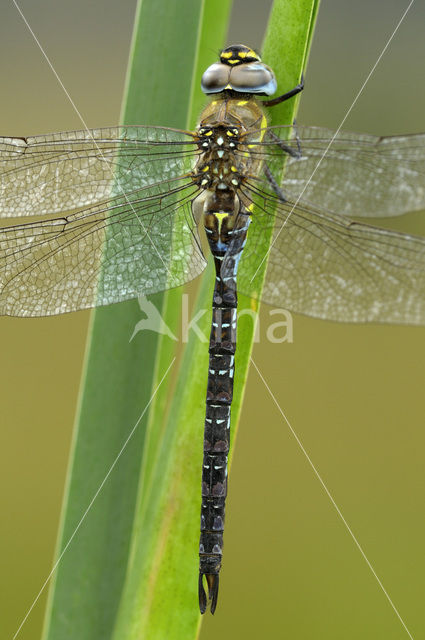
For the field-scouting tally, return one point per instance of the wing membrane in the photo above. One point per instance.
(359, 175)
(64, 171)
(136, 234)
(112, 251)
(329, 267)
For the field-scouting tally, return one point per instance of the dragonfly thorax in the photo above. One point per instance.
(218, 138)
(217, 167)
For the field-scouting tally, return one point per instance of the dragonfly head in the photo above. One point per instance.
(240, 69)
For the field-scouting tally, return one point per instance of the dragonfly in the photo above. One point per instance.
(105, 215)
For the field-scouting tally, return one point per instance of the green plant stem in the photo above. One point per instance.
(118, 380)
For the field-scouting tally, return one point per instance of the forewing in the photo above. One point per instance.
(139, 243)
(347, 174)
(64, 171)
(329, 267)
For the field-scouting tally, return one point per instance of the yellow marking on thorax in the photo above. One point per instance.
(219, 215)
(263, 131)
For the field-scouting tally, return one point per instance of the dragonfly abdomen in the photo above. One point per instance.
(226, 228)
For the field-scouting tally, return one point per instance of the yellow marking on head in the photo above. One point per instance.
(233, 61)
(242, 102)
(233, 168)
(205, 168)
(228, 54)
(243, 54)
(228, 86)
(252, 54)
(208, 133)
(229, 133)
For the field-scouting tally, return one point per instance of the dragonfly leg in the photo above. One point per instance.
(282, 144)
(297, 138)
(285, 96)
(273, 183)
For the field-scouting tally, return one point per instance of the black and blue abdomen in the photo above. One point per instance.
(223, 165)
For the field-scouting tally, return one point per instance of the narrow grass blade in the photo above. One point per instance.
(160, 590)
(119, 373)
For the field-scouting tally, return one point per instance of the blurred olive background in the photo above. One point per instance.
(353, 394)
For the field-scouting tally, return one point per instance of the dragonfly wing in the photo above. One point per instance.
(349, 174)
(129, 245)
(331, 268)
(64, 171)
